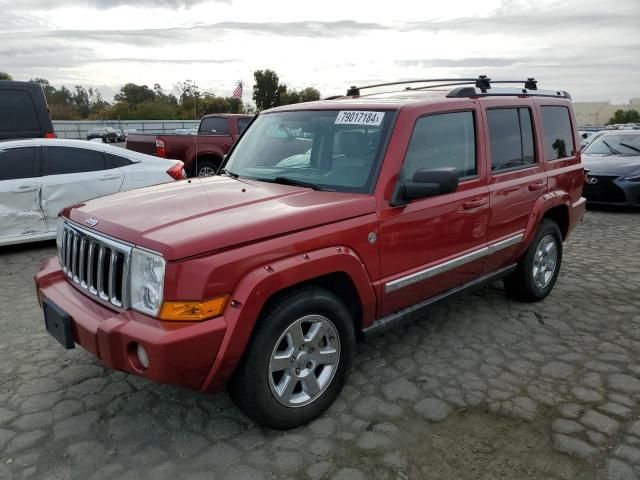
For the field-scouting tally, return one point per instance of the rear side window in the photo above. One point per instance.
(443, 140)
(18, 112)
(115, 161)
(214, 126)
(18, 163)
(511, 138)
(65, 160)
(242, 124)
(558, 135)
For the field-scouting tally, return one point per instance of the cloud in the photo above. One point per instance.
(26, 5)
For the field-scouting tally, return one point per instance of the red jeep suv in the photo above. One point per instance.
(330, 219)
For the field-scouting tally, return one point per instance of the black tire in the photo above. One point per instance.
(206, 166)
(520, 284)
(250, 387)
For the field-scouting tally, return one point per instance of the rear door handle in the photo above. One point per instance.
(475, 203)
(537, 185)
(26, 189)
(109, 176)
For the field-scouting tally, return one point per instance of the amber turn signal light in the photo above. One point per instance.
(193, 311)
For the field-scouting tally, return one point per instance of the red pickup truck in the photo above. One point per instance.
(330, 220)
(201, 154)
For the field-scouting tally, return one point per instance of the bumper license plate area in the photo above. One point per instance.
(58, 324)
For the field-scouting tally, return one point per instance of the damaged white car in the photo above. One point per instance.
(39, 177)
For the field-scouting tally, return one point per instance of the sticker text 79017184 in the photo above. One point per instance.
(359, 117)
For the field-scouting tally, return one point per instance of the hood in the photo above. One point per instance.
(618, 165)
(187, 218)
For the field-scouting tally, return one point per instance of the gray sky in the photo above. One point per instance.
(590, 48)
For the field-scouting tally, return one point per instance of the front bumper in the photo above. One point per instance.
(609, 190)
(180, 353)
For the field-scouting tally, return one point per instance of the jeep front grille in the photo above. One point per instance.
(96, 264)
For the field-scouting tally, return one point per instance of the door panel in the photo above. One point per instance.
(434, 244)
(20, 183)
(517, 177)
(73, 175)
(20, 212)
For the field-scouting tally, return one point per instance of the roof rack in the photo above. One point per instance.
(481, 86)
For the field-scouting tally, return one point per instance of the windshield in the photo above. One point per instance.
(614, 145)
(329, 150)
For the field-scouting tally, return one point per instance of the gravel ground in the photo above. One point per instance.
(481, 388)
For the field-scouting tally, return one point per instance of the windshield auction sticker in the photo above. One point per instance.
(359, 117)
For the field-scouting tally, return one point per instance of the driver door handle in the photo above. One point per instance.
(474, 203)
(26, 188)
(109, 176)
(539, 185)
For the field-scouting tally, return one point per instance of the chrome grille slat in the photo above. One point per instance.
(112, 275)
(102, 253)
(91, 254)
(105, 279)
(74, 260)
(83, 272)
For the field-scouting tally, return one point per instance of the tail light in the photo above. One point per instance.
(50, 135)
(161, 150)
(177, 172)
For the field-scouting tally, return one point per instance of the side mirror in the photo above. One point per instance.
(425, 183)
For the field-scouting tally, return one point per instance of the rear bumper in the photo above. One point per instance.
(179, 353)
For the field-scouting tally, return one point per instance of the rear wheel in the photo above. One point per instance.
(538, 269)
(297, 360)
(206, 168)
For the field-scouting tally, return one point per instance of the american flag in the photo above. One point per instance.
(237, 93)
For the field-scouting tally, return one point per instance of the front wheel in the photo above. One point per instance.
(297, 361)
(538, 269)
(206, 168)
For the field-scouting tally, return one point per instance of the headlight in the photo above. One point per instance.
(633, 178)
(146, 281)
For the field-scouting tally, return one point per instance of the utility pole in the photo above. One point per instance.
(599, 110)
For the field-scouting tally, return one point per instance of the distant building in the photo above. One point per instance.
(588, 113)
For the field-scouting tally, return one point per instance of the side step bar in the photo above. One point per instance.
(400, 317)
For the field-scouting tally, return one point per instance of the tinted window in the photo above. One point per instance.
(242, 124)
(62, 160)
(511, 138)
(444, 140)
(558, 135)
(19, 163)
(18, 112)
(114, 161)
(214, 126)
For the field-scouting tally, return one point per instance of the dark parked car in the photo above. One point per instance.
(107, 134)
(613, 163)
(23, 111)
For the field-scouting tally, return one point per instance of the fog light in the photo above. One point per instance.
(143, 358)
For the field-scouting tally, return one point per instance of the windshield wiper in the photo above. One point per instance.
(296, 183)
(613, 150)
(231, 174)
(631, 147)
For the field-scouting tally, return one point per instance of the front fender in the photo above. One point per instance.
(253, 291)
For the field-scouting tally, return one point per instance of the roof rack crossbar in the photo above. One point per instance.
(482, 82)
(354, 91)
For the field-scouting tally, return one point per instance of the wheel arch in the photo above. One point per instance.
(339, 269)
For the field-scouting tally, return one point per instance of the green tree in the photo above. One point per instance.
(134, 94)
(309, 94)
(624, 116)
(267, 89)
(5, 76)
